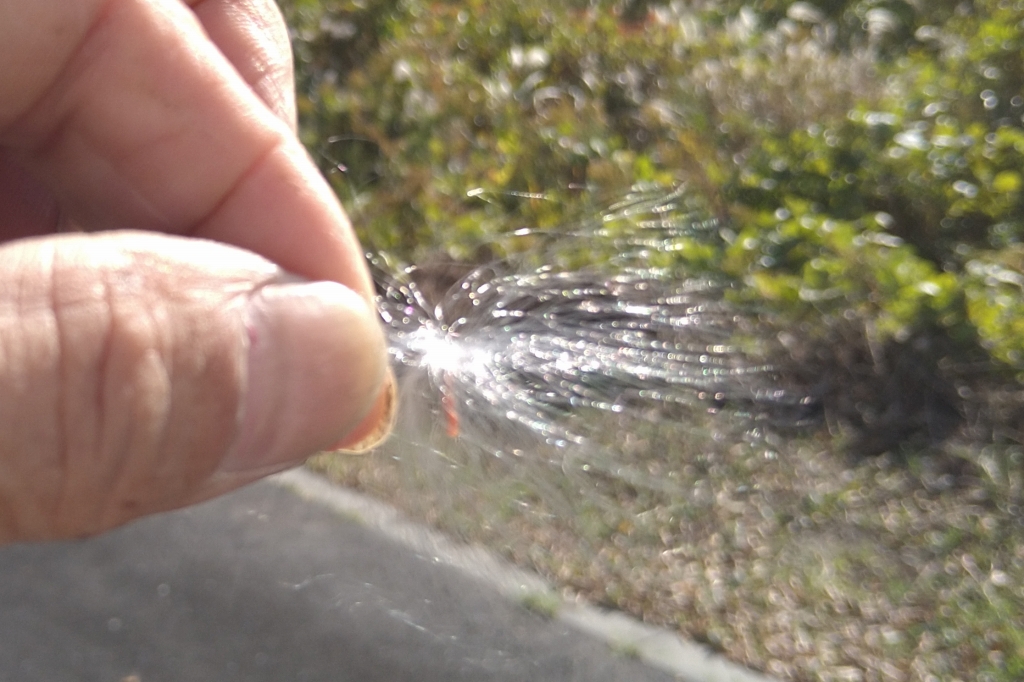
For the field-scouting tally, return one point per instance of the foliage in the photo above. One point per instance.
(899, 208)
(865, 155)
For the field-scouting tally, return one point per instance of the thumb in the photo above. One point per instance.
(142, 372)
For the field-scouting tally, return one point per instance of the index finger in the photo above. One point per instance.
(253, 36)
(128, 112)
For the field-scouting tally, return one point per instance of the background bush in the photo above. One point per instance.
(864, 158)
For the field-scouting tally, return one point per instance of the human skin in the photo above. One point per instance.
(183, 305)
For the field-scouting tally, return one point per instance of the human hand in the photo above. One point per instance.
(229, 334)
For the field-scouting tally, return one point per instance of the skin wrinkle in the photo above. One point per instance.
(172, 355)
(102, 368)
(32, 513)
(8, 518)
(8, 510)
(67, 398)
(100, 404)
(46, 265)
(198, 225)
(75, 58)
(146, 347)
(213, 483)
(105, 455)
(70, 71)
(50, 141)
(64, 443)
(165, 364)
(270, 68)
(150, 379)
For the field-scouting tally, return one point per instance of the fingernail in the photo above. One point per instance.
(316, 364)
(377, 425)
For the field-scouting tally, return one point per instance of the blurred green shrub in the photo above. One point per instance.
(865, 157)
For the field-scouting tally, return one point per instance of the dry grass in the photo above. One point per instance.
(774, 550)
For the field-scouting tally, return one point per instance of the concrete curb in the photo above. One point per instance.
(657, 647)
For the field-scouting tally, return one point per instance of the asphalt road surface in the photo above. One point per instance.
(261, 586)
